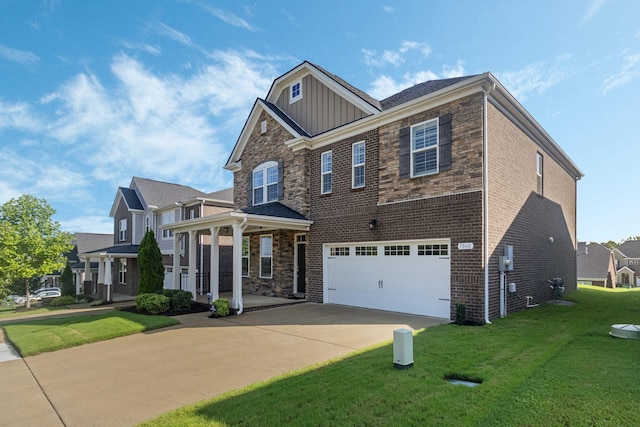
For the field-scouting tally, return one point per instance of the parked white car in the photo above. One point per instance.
(39, 291)
(23, 299)
(47, 294)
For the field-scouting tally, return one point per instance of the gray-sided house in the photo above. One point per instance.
(596, 265)
(444, 193)
(627, 256)
(147, 205)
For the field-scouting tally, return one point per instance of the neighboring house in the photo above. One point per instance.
(596, 265)
(627, 257)
(146, 205)
(405, 204)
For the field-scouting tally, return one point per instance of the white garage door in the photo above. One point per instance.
(408, 277)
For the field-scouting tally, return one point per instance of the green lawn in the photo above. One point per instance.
(20, 311)
(31, 337)
(548, 366)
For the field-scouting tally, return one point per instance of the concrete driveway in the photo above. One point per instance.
(127, 380)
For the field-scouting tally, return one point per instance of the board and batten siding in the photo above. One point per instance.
(320, 109)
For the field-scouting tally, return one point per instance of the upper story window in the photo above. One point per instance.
(265, 183)
(424, 148)
(539, 173)
(192, 213)
(295, 92)
(168, 218)
(122, 230)
(327, 167)
(357, 165)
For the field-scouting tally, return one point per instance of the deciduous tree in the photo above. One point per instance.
(31, 242)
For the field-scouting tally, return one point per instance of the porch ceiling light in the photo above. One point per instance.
(373, 223)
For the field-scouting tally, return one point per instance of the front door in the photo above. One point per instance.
(301, 271)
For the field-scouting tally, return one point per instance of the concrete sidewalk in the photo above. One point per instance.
(127, 380)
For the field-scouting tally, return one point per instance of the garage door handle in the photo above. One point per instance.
(381, 284)
(444, 299)
(332, 289)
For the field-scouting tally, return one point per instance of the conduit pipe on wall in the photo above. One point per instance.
(485, 167)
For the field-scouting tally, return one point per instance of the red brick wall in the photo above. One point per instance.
(520, 217)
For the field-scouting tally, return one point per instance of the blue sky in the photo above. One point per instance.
(95, 92)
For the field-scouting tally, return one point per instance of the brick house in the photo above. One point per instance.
(407, 204)
(627, 256)
(596, 265)
(147, 205)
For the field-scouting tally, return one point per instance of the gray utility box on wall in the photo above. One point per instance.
(402, 348)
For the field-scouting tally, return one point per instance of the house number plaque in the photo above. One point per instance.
(465, 246)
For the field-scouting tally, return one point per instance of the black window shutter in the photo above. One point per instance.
(444, 130)
(404, 153)
(250, 190)
(280, 180)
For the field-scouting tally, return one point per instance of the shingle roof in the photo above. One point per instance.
(421, 89)
(630, 248)
(276, 209)
(119, 249)
(226, 194)
(285, 118)
(131, 198)
(162, 194)
(593, 261)
(91, 241)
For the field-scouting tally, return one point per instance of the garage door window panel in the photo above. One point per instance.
(340, 251)
(366, 250)
(397, 250)
(440, 250)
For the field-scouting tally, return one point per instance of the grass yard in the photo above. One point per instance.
(33, 337)
(549, 366)
(19, 311)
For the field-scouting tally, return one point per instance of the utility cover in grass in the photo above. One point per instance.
(625, 331)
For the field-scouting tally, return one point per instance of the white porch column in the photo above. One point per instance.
(107, 277)
(176, 261)
(236, 301)
(214, 281)
(193, 248)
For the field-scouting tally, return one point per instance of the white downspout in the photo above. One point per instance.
(485, 145)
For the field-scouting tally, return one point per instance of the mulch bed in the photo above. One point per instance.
(195, 308)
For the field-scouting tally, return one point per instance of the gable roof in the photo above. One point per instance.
(131, 199)
(161, 194)
(419, 90)
(630, 248)
(593, 261)
(226, 194)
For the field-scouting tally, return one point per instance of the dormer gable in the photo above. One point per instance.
(130, 198)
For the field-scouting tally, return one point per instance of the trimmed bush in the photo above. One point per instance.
(222, 307)
(181, 301)
(153, 303)
(60, 301)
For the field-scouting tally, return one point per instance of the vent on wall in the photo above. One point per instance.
(263, 127)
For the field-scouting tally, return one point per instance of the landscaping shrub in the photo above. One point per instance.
(222, 307)
(181, 301)
(153, 303)
(60, 301)
(461, 313)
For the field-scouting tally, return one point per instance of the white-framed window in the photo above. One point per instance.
(123, 271)
(122, 230)
(397, 250)
(326, 176)
(539, 173)
(147, 223)
(192, 213)
(424, 148)
(295, 93)
(266, 256)
(339, 251)
(426, 250)
(265, 183)
(168, 218)
(245, 256)
(366, 250)
(357, 165)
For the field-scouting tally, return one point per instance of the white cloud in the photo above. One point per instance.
(388, 9)
(19, 56)
(174, 34)
(535, 78)
(630, 72)
(144, 47)
(385, 86)
(17, 116)
(395, 57)
(167, 127)
(229, 18)
(592, 11)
